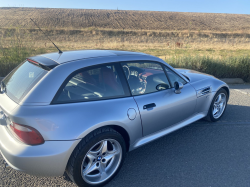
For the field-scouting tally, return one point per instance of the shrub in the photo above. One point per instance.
(230, 67)
(14, 48)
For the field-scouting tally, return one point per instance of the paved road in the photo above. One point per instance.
(201, 154)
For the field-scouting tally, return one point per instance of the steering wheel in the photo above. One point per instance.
(126, 71)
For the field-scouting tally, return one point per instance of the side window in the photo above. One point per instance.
(99, 82)
(173, 77)
(145, 77)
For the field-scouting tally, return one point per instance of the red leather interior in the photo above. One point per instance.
(107, 78)
(86, 77)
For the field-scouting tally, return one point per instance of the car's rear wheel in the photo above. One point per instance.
(218, 105)
(97, 158)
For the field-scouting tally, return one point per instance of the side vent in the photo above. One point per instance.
(203, 91)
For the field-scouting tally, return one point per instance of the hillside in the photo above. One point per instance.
(124, 20)
(199, 41)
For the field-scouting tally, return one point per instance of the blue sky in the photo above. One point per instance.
(211, 6)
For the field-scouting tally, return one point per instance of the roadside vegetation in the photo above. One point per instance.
(228, 67)
(220, 48)
(15, 47)
(221, 64)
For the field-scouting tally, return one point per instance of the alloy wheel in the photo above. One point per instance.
(101, 161)
(219, 105)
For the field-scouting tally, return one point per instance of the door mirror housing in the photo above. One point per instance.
(178, 86)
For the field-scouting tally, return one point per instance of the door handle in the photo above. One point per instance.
(151, 105)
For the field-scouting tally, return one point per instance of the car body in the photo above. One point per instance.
(140, 118)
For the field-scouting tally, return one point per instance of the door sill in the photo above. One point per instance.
(166, 131)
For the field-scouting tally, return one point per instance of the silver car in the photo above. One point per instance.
(82, 111)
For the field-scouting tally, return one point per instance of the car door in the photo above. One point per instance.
(160, 107)
(91, 98)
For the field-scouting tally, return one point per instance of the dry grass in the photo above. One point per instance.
(173, 36)
(124, 20)
(158, 33)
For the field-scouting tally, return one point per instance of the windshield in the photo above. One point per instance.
(22, 79)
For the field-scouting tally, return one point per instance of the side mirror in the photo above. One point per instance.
(178, 86)
(162, 86)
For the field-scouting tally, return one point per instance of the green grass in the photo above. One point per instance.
(12, 57)
(220, 63)
(14, 49)
(229, 67)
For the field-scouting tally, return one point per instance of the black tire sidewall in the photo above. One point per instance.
(212, 103)
(91, 142)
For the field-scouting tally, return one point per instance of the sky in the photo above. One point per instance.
(208, 6)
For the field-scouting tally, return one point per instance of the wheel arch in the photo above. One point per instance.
(124, 134)
(83, 142)
(227, 90)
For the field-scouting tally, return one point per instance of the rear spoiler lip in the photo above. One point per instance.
(43, 62)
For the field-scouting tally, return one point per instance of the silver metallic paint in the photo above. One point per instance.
(168, 104)
(167, 130)
(75, 120)
(64, 125)
(48, 159)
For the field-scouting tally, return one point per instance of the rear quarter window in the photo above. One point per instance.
(22, 79)
(93, 83)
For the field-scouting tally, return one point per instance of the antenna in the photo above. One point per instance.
(47, 36)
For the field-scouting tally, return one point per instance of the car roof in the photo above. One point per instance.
(68, 56)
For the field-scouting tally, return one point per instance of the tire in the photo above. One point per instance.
(212, 116)
(85, 157)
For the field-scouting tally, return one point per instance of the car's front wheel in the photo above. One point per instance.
(97, 158)
(218, 105)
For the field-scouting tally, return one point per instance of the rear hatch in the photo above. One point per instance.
(21, 80)
(17, 84)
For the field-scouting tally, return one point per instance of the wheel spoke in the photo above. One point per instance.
(91, 156)
(90, 168)
(224, 100)
(102, 167)
(111, 155)
(103, 147)
(215, 110)
(104, 175)
(218, 100)
(221, 105)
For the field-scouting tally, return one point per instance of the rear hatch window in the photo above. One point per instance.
(22, 79)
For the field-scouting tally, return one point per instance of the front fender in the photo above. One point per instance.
(204, 102)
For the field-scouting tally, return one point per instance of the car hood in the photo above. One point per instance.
(194, 76)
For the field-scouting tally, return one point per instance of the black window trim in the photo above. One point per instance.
(174, 73)
(121, 75)
(124, 76)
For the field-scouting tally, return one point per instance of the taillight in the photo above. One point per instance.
(27, 134)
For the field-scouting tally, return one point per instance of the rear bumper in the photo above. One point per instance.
(48, 159)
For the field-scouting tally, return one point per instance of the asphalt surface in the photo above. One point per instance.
(201, 154)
